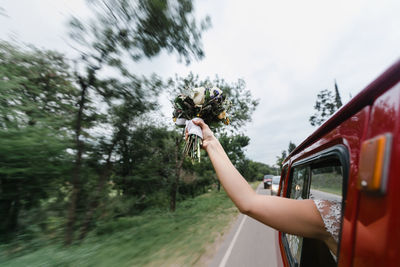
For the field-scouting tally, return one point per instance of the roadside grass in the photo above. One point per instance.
(254, 185)
(329, 182)
(153, 238)
(332, 190)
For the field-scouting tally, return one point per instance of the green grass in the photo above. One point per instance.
(153, 238)
(332, 190)
(327, 182)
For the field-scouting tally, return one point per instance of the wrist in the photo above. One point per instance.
(212, 144)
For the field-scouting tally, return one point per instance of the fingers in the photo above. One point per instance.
(186, 133)
(199, 123)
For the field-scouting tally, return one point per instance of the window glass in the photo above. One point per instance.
(328, 180)
(299, 177)
(297, 186)
(326, 191)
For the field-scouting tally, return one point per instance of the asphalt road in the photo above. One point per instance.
(249, 243)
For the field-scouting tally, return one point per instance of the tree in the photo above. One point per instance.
(37, 96)
(252, 170)
(234, 146)
(139, 29)
(291, 147)
(326, 104)
(338, 100)
(280, 159)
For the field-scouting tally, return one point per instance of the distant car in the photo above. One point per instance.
(275, 185)
(267, 181)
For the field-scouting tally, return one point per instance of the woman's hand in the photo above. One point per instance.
(208, 136)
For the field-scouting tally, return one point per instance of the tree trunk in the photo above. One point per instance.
(76, 186)
(13, 223)
(172, 203)
(10, 211)
(9, 208)
(178, 168)
(96, 198)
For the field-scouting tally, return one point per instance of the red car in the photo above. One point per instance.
(267, 181)
(354, 157)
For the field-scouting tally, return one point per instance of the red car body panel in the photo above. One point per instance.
(376, 242)
(371, 223)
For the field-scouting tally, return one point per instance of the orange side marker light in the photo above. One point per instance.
(374, 164)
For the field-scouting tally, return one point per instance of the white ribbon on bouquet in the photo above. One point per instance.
(193, 128)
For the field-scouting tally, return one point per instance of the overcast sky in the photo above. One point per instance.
(286, 51)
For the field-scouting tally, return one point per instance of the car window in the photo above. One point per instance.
(297, 190)
(321, 179)
(276, 179)
(297, 183)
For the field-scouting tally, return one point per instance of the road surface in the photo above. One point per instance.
(249, 243)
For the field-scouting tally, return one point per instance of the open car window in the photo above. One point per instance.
(322, 178)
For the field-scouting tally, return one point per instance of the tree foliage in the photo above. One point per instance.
(291, 147)
(326, 104)
(253, 170)
(141, 29)
(37, 96)
(280, 159)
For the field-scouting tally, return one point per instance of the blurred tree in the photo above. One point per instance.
(139, 29)
(37, 88)
(280, 159)
(234, 146)
(284, 154)
(37, 97)
(326, 104)
(291, 147)
(126, 103)
(253, 170)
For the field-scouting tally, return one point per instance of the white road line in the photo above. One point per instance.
(229, 251)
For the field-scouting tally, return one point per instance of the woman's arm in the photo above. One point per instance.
(300, 217)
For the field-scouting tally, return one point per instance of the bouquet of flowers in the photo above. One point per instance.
(208, 104)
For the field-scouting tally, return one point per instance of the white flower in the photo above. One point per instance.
(215, 92)
(198, 96)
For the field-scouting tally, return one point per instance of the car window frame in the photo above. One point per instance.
(284, 173)
(337, 152)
